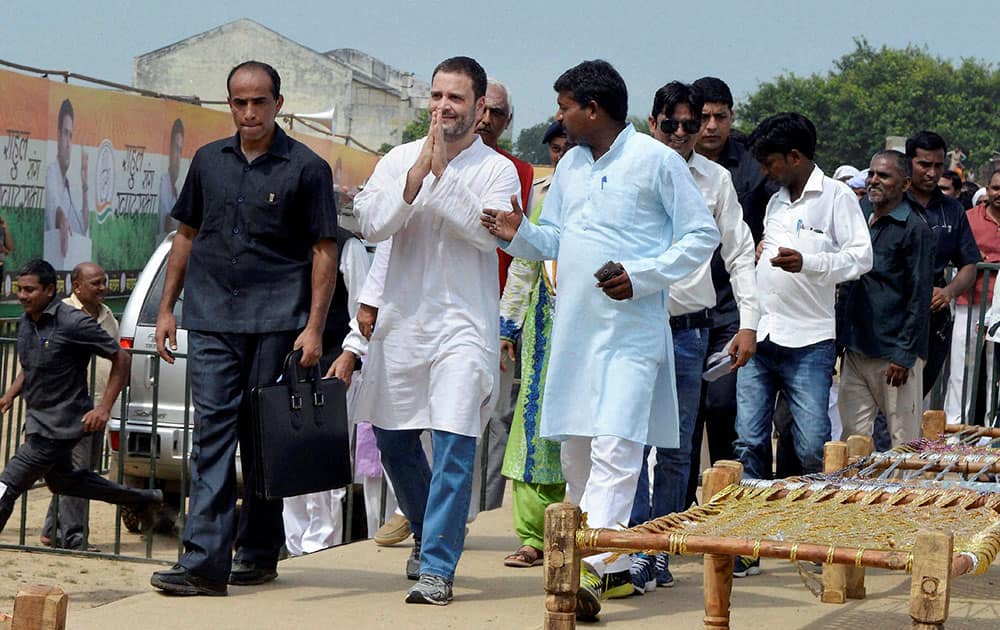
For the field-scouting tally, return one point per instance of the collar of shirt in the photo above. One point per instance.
(813, 185)
(699, 163)
(899, 214)
(280, 145)
(75, 302)
(731, 154)
(616, 146)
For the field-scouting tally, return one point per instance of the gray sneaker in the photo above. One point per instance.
(430, 589)
(413, 562)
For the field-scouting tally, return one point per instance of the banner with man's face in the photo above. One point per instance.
(92, 174)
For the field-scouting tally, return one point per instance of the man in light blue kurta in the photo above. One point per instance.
(620, 196)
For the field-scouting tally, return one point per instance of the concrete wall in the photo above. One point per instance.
(371, 109)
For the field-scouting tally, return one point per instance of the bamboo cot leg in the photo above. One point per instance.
(933, 424)
(718, 567)
(562, 566)
(835, 455)
(858, 446)
(930, 589)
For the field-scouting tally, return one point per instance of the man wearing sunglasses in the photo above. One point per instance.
(676, 122)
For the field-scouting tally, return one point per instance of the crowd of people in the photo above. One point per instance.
(653, 289)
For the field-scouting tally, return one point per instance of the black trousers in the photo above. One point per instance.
(224, 368)
(40, 457)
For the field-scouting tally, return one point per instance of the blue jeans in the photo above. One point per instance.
(804, 376)
(436, 502)
(673, 465)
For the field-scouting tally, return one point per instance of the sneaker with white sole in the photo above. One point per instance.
(744, 566)
(664, 577)
(430, 589)
(643, 573)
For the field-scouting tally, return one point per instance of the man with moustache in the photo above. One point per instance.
(617, 197)
(887, 310)
(498, 114)
(62, 212)
(676, 121)
(256, 254)
(433, 360)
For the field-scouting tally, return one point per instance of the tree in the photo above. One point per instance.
(640, 124)
(529, 145)
(873, 93)
(418, 127)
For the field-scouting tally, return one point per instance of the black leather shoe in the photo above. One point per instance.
(245, 573)
(179, 581)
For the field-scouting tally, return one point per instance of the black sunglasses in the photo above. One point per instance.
(669, 125)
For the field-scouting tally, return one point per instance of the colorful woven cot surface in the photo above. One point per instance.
(967, 452)
(857, 514)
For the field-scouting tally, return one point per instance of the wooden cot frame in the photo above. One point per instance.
(932, 563)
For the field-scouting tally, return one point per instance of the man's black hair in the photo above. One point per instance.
(40, 268)
(714, 91)
(257, 65)
(598, 81)
(956, 179)
(903, 164)
(65, 109)
(467, 66)
(675, 93)
(926, 140)
(783, 132)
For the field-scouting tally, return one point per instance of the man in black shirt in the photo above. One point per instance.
(887, 310)
(55, 343)
(954, 244)
(256, 252)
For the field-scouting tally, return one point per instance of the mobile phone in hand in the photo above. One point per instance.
(608, 271)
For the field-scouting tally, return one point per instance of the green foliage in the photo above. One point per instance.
(506, 145)
(385, 148)
(529, 145)
(418, 128)
(25, 225)
(640, 124)
(873, 93)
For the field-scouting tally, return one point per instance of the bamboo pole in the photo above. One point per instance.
(718, 569)
(933, 424)
(930, 589)
(834, 575)
(562, 566)
(857, 446)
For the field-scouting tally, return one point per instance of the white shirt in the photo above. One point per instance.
(434, 355)
(696, 291)
(827, 227)
(57, 195)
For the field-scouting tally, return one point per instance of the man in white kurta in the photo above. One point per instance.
(433, 361)
(619, 196)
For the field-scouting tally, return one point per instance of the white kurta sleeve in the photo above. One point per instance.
(355, 342)
(371, 291)
(380, 208)
(540, 242)
(461, 209)
(695, 233)
(354, 268)
(738, 253)
(851, 232)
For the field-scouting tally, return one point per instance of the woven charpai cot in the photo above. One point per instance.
(866, 516)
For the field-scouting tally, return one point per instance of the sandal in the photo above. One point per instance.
(526, 556)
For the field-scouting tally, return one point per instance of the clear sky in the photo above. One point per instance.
(525, 44)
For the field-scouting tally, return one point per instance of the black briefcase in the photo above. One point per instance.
(303, 442)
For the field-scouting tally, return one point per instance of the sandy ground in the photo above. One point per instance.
(361, 586)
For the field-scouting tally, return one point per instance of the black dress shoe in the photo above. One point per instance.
(246, 573)
(179, 581)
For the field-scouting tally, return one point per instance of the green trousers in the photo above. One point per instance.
(530, 501)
